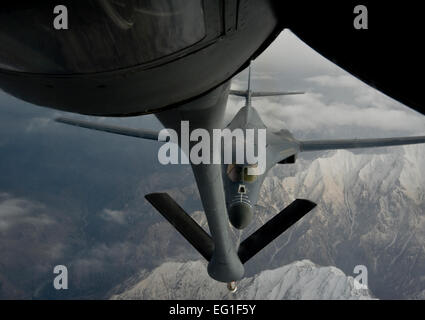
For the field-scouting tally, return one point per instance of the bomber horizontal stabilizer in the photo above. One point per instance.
(244, 93)
(273, 228)
(130, 132)
(184, 224)
(272, 94)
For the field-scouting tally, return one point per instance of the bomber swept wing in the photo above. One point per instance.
(136, 133)
(317, 145)
(304, 146)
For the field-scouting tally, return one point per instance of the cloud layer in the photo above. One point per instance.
(336, 104)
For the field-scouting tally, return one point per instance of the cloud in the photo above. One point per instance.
(310, 112)
(335, 100)
(103, 258)
(331, 105)
(338, 81)
(290, 54)
(114, 216)
(357, 91)
(16, 211)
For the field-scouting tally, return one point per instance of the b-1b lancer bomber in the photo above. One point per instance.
(175, 59)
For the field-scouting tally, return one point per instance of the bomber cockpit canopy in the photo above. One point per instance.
(239, 173)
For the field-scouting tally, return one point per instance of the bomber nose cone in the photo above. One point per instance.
(240, 215)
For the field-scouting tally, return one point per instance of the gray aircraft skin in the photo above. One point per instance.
(175, 59)
(129, 57)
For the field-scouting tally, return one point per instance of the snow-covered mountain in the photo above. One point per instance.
(299, 280)
(371, 212)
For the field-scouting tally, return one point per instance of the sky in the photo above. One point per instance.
(334, 99)
(68, 195)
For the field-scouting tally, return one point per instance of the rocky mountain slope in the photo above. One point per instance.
(371, 212)
(299, 280)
